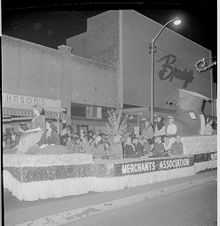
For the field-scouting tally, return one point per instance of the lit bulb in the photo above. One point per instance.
(177, 21)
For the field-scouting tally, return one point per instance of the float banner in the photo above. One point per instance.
(146, 166)
(205, 157)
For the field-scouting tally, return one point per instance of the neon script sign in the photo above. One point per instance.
(169, 71)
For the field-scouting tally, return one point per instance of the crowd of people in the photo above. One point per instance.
(154, 141)
(158, 140)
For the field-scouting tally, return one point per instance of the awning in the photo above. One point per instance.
(26, 113)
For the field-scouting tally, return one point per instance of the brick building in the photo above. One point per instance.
(32, 73)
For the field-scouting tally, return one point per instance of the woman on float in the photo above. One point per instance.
(33, 135)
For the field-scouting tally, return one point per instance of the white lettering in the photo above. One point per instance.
(135, 167)
(132, 168)
(139, 167)
(124, 169)
(161, 165)
(153, 166)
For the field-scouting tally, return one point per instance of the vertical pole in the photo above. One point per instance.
(211, 84)
(152, 84)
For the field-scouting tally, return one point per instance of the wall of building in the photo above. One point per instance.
(30, 69)
(175, 58)
(34, 70)
(101, 41)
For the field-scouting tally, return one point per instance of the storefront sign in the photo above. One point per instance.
(145, 166)
(27, 102)
(169, 71)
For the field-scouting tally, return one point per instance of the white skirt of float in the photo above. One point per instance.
(202, 166)
(31, 191)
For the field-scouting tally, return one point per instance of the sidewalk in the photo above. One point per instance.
(68, 209)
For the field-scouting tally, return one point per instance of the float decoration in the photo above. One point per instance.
(116, 127)
(201, 65)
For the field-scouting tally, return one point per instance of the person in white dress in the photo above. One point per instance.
(208, 127)
(171, 130)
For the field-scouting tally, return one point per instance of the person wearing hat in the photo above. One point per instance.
(139, 148)
(33, 135)
(176, 147)
(158, 149)
(129, 149)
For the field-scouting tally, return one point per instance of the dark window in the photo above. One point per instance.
(78, 110)
(126, 106)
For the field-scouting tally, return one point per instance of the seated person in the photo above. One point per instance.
(158, 148)
(147, 146)
(8, 143)
(64, 137)
(177, 147)
(71, 145)
(208, 127)
(90, 134)
(32, 136)
(129, 149)
(139, 149)
(79, 145)
(51, 136)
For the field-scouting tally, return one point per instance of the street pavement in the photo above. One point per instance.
(17, 212)
(196, 206)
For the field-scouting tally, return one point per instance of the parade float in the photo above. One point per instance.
(191, 123)
(53, 172)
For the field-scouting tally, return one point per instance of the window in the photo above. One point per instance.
(78, 110)
(94, 112)
(192, 115)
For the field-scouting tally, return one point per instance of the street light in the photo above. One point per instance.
(176, 21)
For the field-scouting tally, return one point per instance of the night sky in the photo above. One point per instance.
(49, 23)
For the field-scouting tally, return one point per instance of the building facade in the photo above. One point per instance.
(36, 74)
(123, 38)
(106, 67)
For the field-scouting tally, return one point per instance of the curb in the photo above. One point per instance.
(80, 213)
